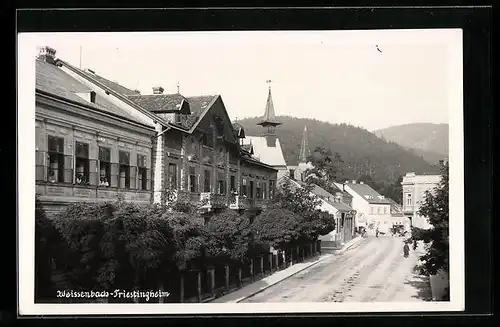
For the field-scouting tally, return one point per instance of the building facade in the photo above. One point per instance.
(197, 154)
(374, 207)
(414, 190)
(86, 149)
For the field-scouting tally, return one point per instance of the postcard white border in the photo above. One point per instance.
(27, 43)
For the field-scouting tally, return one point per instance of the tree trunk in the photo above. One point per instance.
(226, 270)
(198, 275)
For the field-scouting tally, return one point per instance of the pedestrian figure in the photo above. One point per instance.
(376, 232)
(406, 250)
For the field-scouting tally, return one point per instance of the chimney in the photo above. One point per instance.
(158, 90)
(47, 54)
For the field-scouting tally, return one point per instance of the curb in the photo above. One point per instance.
(278, 281)
(346, 247)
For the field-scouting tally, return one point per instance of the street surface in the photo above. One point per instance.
(373, 270)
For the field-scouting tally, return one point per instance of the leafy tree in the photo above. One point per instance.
(311, 221)
(49, 247)
(296, 199)
(277, 226)
(326, 164)
(436, 209)
(231, 234)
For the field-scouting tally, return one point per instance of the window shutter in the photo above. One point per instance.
(133, 176)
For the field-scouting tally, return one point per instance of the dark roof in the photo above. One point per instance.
(364, 189)
(269, 117)
(198, 104)
(53, 80)
(112, 85)
(158, 102)
(248, 148)
(327, 197)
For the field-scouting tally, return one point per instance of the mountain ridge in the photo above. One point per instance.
(427, 139)
(363, 152)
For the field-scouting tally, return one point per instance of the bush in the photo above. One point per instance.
(231, 235)
(49, 247)
(276, 226)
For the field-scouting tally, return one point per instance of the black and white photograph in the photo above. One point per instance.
(240, 171)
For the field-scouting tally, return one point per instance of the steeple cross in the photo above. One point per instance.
(269, 82)
(178, 86)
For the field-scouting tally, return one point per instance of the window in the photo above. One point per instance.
(178, 118)
(243, 186)
(372, 210)
(292, 173)
(385, 210)
(379, 210)
(82, 163)
(104, 166)
(56, 159)
(207, 140)
(124, 169)
(264, 190)
(172, 176)
(142, 172)
(250, 194)
(271, 189)
(408, 199)
(221, 183)
(192, 179)
(257, 191)
(207, 181)
(232, 183)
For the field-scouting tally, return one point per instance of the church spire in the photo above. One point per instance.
(304, 148)
(269, 119)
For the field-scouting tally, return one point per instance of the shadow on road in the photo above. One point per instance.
(422, 285)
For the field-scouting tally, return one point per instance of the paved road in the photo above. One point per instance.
(374, 270)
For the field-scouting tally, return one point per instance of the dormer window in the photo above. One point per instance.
(92, 96)
(178, 118)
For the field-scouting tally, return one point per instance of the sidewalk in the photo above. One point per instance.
(260, 285)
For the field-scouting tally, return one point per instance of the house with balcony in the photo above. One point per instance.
(197, 153)
(374, 207)
(414, 190)
(86, 147)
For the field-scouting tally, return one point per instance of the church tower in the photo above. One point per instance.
(269, 120)
(304, 148)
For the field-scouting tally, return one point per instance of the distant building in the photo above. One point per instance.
(267, 148)
(374, 207)
(343, 213)
(414, 188)
(297, 172)
(398, 218)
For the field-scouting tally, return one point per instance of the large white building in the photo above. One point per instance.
(414, 188)
(368, 203)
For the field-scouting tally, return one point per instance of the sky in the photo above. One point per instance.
(333, 76)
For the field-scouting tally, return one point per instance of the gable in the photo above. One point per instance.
(215, 118)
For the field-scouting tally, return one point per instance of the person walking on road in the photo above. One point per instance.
(406, 250)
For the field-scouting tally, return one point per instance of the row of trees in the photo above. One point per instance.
(122, 245)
